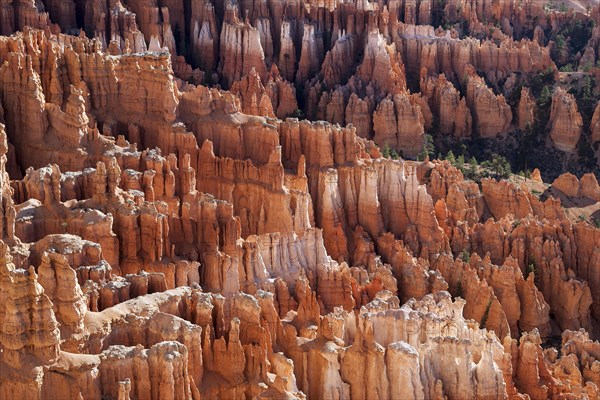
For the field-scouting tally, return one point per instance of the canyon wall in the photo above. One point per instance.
(195, 202)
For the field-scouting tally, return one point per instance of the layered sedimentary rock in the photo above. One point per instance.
(367, 49)
(454, 115)
(399, 125)
(281, 93)
(252, 94)
(565, 121)
(163, 238)
(526, 110)
(569, 185)
(491, 114)
(595, 126)
(240, 48)
(337, 63)
(311, 53)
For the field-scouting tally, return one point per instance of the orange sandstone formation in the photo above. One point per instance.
(161, 237)
(565, 121)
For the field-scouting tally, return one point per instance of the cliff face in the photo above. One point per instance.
(329, 55)
(240, 49)
(367, 49)
(595, 126)
(526, 110)
(565, 121)
(445, 101)
(161, 238)
(399, 124)
(491, 114)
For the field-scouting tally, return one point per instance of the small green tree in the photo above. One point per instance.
(298, 113)
(566, 68)
(460, 163)
(450, 157)
(499, 167)
(530, 267)
(465, 255)
(471, 171)
(428, 148)
(545, 97)
(586, 89)
(385, 150)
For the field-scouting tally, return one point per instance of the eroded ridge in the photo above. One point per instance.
(207, 200)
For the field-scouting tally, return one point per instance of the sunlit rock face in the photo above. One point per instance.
(222, 200)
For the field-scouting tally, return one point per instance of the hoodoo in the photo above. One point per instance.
(283, 199)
